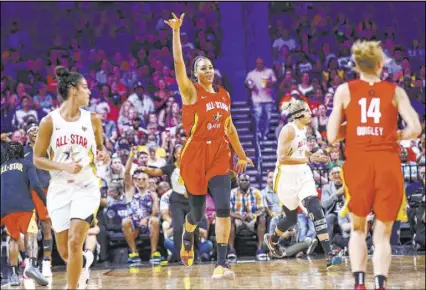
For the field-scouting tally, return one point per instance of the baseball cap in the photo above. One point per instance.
(138, 84)
(295, 92)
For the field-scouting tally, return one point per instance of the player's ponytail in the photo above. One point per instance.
(66, 80)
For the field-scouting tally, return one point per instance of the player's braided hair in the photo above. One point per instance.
(15, 150)
(295, 108)
(66, 80)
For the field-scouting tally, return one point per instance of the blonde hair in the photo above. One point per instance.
(295, 107)
(367, 55)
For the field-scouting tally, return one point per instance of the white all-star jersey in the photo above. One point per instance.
(299, 144)
(73, 141)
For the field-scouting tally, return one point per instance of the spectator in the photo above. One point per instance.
(335, 158)
(247, 211)
(165, 112)
(305, 86)
(102, 75)
(320, 120)
(25, 114)
(141, 101)
(109, 127)
(162, 94)
(332, 199)
(114, 172)
(270, 199)
(409, 169)
(43, 100)
(143, 211)
(260, 82)
(153, 159)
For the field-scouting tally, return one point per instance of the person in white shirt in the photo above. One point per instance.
(142, 103)
(260, 82)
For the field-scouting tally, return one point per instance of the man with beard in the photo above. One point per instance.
(247, 211)
(141, 101)
(44, 178)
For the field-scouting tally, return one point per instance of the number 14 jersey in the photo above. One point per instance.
(371, 118)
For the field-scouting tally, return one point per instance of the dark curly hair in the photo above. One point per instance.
(15, 150)
(66, 80)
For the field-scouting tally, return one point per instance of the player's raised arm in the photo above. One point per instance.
(186, 88)
(408, 114)
(335, 129)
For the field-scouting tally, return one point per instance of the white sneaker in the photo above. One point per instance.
(46, 268)
(83, 281)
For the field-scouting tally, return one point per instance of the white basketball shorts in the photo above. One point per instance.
(293, 183)
(66, 201)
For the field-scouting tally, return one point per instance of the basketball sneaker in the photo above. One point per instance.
(34, 273)
(232, 256)
(223, 272)
(333, 260)
(14, 280)
(134, 258)
(83, 281)
(155, 258)
(261, 255)
(46, 268)
(274, 249)
(187, 250)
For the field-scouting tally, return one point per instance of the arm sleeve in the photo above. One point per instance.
(35, 183)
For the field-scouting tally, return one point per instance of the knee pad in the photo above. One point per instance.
(316, 214)
(223, 213)
(198, 206)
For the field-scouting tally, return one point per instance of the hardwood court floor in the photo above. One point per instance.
(407, 272)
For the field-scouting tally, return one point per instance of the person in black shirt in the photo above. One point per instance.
(18, 176)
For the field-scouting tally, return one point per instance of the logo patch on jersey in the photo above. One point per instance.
(216, 117)
(84, 128)
(57, 129)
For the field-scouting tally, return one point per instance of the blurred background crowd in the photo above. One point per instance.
(124, 52)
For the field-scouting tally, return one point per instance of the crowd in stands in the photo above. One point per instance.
(124, 52)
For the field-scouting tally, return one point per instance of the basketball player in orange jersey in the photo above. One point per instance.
(205, 158)
(72, 137)
(372, 172)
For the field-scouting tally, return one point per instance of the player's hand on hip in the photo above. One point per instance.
(242, 164)
(73, 167)
(176, 22)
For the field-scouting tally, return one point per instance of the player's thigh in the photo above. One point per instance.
(85, 203)
(307, 187)
(193, 167)
(287, 190)
(358, 180)
(389, 184)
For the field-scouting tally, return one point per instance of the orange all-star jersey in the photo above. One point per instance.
(206, 152)
(371, 118)
(372, 171)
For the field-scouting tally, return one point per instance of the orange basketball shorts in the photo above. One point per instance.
(39, 206)
(17, 223)
(202, 160)
(374, 182)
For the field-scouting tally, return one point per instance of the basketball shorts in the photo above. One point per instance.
(201, 160)
(72, 201)
(40, 208)
(138, 227)
(293, 183)
(373, 182)
(20, 222)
